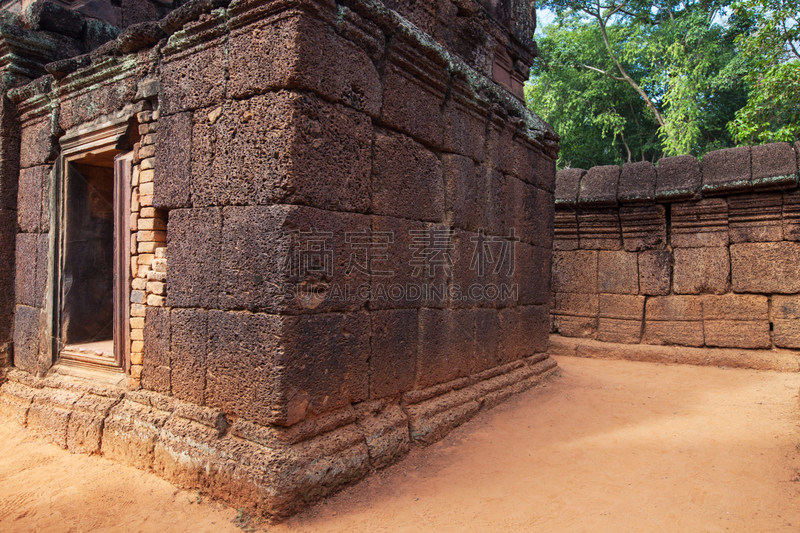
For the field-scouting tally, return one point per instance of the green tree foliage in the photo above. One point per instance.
(770, 49)
(629, 81)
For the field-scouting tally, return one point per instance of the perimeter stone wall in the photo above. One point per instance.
(689, 253)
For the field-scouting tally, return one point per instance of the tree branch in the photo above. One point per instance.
(603, 72)
(630, 81)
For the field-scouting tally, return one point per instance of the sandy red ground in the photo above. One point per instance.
(605, 446)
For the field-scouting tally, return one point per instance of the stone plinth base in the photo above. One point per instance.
(267, 469)
(780, 360)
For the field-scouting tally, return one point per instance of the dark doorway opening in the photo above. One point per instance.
(95, 261)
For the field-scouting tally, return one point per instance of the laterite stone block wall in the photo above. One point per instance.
(341, 234)
(394, 168)
(688, 253)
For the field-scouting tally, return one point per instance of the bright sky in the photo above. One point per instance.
(543, 18)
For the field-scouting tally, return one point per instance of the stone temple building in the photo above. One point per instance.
(262, 247)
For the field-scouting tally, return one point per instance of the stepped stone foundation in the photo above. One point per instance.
(687, 254)
(332, 229)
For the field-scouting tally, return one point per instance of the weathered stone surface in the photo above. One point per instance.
(156, 368)
(15, 401)
(130, 432)
(500, 142)
(737, 333)
(194, 244)
(8, 236)
(571, 326)
(241, 365)
(675, 308)
(37, 146)
(678, 178)
(138, 36)
(774, 166)
(399, 267)
(402, 168)
(622, 331)
(673, 332)
(42, 247)
(249, 376)
(482, 265)
(568, 183)
(785, 307)
(699, 224)
(465, 115)
(575, 271)
(33, 184)
(755, 217)
(532, 166)
(137, 11)
(599, 229)
(284, 147)
(26, 260)
(576, 304)
(26, 339)
(523, 331)
(674, 320)
(187, 354)
(719, 357)
(701, 270)
(9, 166)
(49, 414)
(529, 212)
(532, 274)
(296, 52)
(432, 419)
(292, 259)
(85, 429)
(487, 339)
(643, 228)
(188, 12)
(56, 18)
(654, 272)
(497, 201)
(324, 365)
(735, 307)
(786, 333)
(727, 171)
(637, 184)
(790, 216)
(79, 107)
(623, 307)
(195, 79)
(386, 431)
(767, 268)
(464, 192)
(392, 363)
(414, 89)
(565, 230)
(599, 187)
(618, 272)
(446, 348)
(172, 184)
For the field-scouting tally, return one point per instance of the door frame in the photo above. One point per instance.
(109, 133)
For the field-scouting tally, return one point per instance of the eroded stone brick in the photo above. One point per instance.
(701, 270)
(575, 271)
(194, 249)
(766, 268)
(297, 52)
(283, 147)
(618, 272)
(392, 363)
(402, 169)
